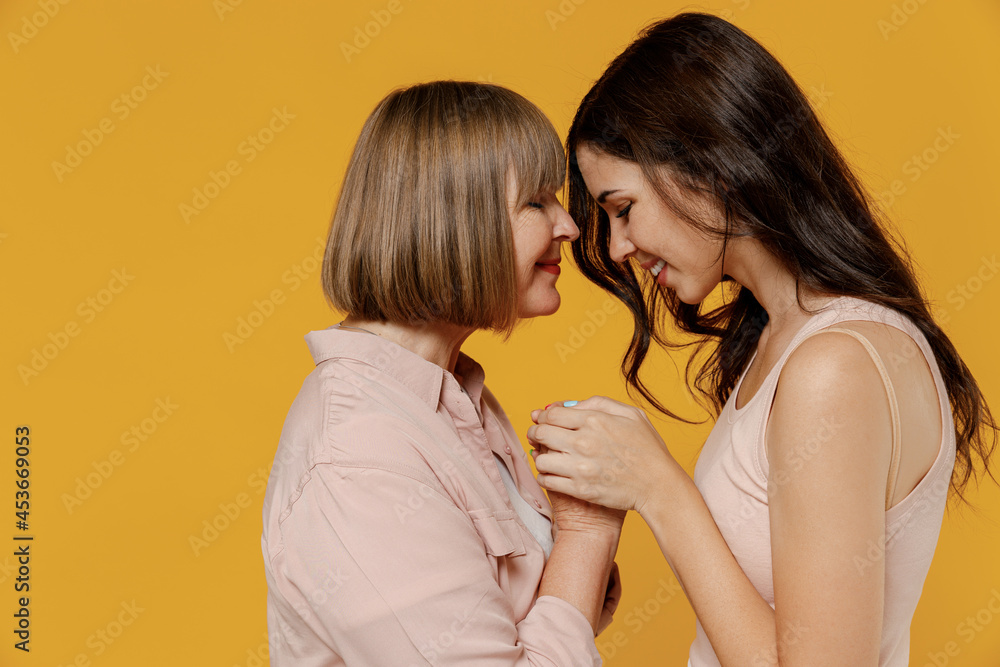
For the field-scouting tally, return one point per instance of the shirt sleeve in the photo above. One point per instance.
(385, 569)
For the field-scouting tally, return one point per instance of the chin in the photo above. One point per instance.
(682, 297)
(536, 307)
(699, 297)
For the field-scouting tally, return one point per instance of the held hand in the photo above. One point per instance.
(601, 451)
(571, 513)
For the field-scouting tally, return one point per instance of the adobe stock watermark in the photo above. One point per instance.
(432, 648)
(121, 108)
(223, 7)
(561, 12)
(802, 453)
(257, 656)
(580, 334)
(31, 24)
(260, 655)
(589, 485)
(101, 639)
(415, 501)
(229, 512)
(248, 149)
(104, 468)
(768, 657)
(898, 17)
(639, 616)
(965, 291)
(875, 552)
(322, 595)
(729, 14)
(59, 339)
(364, 34)
(788, 125)
(294, 276)
(968, 629)
(795, 458)
(918, 164)
(7, 569)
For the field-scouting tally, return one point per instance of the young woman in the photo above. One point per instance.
(402, 523)
(843, 411)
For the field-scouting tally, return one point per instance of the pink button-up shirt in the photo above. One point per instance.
(389, 538)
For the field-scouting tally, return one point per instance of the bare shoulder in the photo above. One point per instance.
(830, 385)
(829, 364)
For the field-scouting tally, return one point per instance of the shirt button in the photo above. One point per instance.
(537, 504)
(507, 449)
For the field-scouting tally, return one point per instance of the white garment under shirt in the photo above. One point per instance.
(539, 526)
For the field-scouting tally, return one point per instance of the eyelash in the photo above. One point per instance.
(624, 211)
(535, 204)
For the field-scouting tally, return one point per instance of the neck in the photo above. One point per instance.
(437, 343)
(772, 285)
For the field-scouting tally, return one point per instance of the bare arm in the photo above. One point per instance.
(826, 509)
(583, 554)
(578, 569)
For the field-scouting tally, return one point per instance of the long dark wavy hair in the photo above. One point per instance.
(698, 98)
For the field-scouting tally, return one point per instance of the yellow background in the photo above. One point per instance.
(162, 335)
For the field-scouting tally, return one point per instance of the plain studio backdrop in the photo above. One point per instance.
(169, 171)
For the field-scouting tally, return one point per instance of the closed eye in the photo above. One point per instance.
(535, 204)
(624, 211)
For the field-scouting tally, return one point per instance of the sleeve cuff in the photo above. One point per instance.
(562, 629)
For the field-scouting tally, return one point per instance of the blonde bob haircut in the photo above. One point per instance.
(422, 231)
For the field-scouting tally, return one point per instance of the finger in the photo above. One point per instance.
(535, 413)
(569, 418)
(607, 405)
(556, 483)
(552, 462)
(551, 436)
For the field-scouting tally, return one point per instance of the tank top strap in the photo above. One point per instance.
(893, 405)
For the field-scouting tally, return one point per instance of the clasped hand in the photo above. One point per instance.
(601, 451)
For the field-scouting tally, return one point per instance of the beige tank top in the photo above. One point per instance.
(732, 471)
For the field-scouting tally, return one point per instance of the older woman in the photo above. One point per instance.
(402, 522)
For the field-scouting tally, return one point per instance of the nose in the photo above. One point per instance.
(619, 247)
(565, 227)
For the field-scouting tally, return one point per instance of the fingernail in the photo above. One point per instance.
(546, 407)
(569, 404)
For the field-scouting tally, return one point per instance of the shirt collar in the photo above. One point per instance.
(424, 378)
(471, 376)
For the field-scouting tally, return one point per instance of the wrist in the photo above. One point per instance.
(590, 533)
(670, 483)
(592, 544)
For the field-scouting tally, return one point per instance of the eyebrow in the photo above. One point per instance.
(604, 195)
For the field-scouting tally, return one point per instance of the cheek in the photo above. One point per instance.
(530, 241)
(687, 249)
(534, 248)
(526, 279)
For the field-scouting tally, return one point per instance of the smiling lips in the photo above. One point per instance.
(549, 265)
(656, 267)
